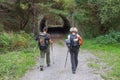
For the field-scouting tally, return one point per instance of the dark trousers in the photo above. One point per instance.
(74, 58)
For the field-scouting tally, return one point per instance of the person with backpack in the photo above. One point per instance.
(44, 41)
(73, 42)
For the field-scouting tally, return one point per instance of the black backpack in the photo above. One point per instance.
(45, 41)
(73, 43)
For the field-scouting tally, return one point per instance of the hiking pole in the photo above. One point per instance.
(35, 48)
(66, 58)
(52, 53)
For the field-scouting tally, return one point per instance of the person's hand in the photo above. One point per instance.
(51, 42)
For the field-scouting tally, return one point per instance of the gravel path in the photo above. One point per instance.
(58, 72)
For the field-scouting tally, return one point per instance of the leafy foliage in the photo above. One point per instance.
(16, 16)
(92, 17)
(112, 37)
(110, 9)
(12, 41)
(23, 56)
(102, 16)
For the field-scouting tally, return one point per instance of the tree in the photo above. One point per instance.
(99, 16)
(18, 14)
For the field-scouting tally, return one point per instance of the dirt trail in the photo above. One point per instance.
(58, 72)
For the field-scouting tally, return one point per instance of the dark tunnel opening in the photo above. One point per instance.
(56, 30)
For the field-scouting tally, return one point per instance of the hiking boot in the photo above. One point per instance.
(73, 72)
(41, 69)
(48, 65)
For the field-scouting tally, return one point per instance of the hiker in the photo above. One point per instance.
(73, 42)
(44, 41)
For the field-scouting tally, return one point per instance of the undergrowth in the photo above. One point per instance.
(107, 53)
(18, 54)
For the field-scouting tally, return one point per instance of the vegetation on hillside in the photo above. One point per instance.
(98, 20)
(18, 53)
(92, 17)
(107, 64)
(13, 41)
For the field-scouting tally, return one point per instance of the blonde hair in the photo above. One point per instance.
(73, 29)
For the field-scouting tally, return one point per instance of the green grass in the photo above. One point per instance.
(110, 54)
(60, 42)
(93, 65)
(14, 64)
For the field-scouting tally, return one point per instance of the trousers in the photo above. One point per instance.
(74, 58)
(44, 53)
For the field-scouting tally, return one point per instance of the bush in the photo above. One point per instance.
(14, 41)
(112, 37)
(14, 64)
(115, 35)
(5, 40)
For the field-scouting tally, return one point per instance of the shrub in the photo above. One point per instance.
(112, 37)
(5, 39)
(14, 41)
(115, 35)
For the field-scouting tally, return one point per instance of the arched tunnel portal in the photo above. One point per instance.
(63, 29)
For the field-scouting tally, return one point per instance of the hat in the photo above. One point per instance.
(73, 29)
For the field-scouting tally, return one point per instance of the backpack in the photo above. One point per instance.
(74, 41)
(43, 41)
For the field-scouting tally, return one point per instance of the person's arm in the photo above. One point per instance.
(50, 40)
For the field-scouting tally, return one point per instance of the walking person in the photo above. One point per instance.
(44, 41)
(74, 41)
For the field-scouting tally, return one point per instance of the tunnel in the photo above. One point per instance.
(63, 29)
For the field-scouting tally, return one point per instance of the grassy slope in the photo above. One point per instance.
(14, 64)
(110, 54)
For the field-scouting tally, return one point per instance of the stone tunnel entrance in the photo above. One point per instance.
(57, 24)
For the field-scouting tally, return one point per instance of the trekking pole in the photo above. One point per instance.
(52, 53)
(35, 48)
(66, 58)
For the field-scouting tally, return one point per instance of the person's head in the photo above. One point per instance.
(73, 30)
(45, 29)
